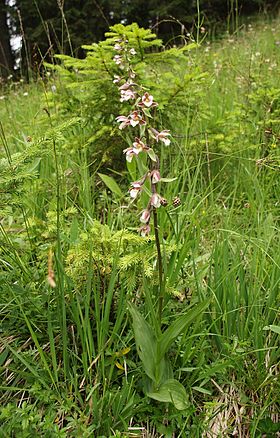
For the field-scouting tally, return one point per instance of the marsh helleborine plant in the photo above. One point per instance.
(142, 113)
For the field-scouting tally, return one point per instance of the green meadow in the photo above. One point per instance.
(106, 332)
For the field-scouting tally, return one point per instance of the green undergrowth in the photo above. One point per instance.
(69, 359)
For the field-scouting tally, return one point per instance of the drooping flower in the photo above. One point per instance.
(129, 154)
(155, 200)
(161, 136)
(147, 101)
(155, 176)
(135, 189)
(118, 47)
(127, 85)
(117, 79)
(125, 121)
(139, 146)
(136, 118)
(127, 95)
(145, 216)
(118, 59)
(145, 230)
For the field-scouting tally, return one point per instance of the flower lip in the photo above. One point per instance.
(136, 118)
(118, 47)
(139, 146)
(117, 79)
(117, 59)
(147, 101)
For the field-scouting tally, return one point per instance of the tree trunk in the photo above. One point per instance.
(6, 55)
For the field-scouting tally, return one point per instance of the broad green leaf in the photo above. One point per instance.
(163, 370)
(146, 342)
(273, 328)
(179, 325)
(131, 167)
(171, 391)
(111, 184)
(152, 154)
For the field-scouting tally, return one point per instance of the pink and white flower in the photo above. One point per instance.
(132, 51)
(127, 95)
(127, 85)
(139, 146)
(155, 176)
(145, 230)
(145, 216)
(117, 79)
(136, 118)
(161, 136)
(118, 59)
(125, 121)
(117, 47)
(155, 200)
(129, 154)
(135, 189)
(147, 101)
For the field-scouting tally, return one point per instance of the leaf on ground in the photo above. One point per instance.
(171, 391)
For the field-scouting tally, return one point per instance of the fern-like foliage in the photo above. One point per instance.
(135, 256)
(22, 166)
(88, 84)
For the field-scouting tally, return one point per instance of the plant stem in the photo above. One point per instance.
(160, 264)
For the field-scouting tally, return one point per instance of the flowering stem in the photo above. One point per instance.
(160, 264)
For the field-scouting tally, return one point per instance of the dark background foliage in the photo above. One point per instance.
(62, 26)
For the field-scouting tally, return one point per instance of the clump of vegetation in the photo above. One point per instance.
(96, 337)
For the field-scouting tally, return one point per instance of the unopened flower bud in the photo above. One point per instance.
(176, 202)
(118, 47)
(145, 230)
(118, 59)
(135, 189)
(155, 200)
(145, 216)
(155, 175)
